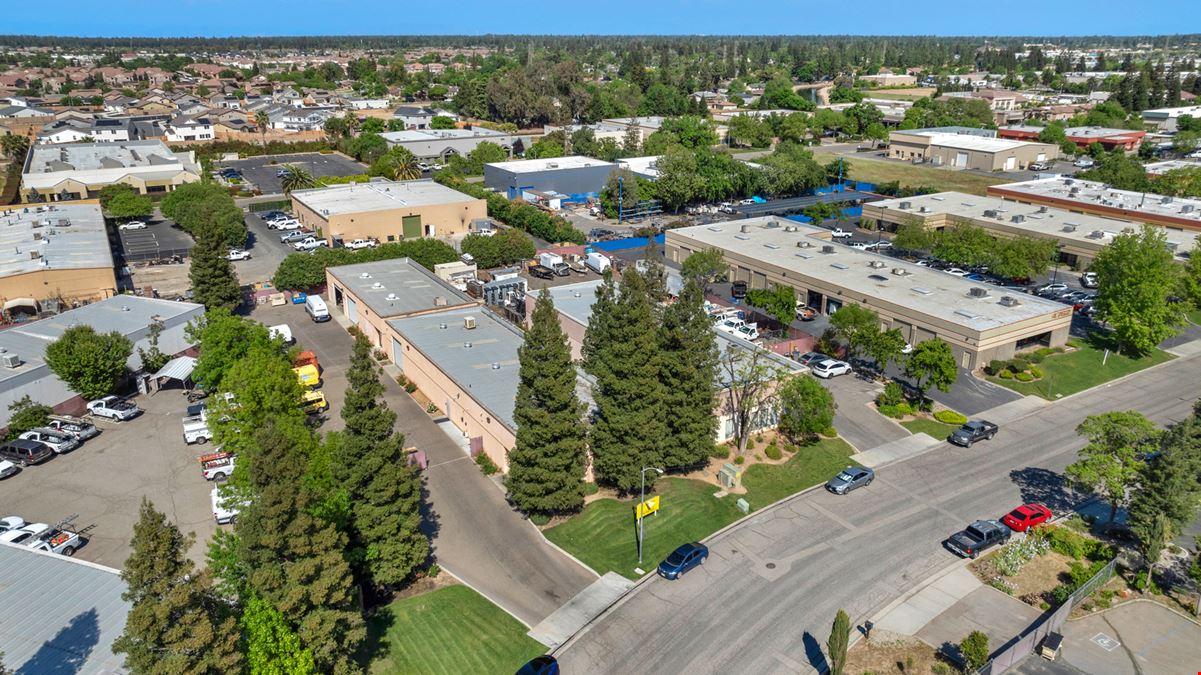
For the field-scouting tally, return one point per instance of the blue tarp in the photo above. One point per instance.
(799, 218)
(865, 187)
(759, 200)
(625, 244)
(853, 211)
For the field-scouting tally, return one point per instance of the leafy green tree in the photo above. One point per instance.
(296, 178)
(1137, 275)
(688, 371)
(506, 247)
(91, 363)
(175, 624)
(750, 378)
(974, 649)
(1021, 257)
(620, 353)
(931, 363)
(913, 236)
(272, 647)
(679, 179)
(1190, 280)
(214, 283)
(300, 271)
(885, 347)
(779, 302)
(620, 190)
(442, 122)
(547, 461)
(121, 202)
(1109, 464)
(704, 266)
(397, 163)
(224, 339)
(840, 639)
(806, 408)
(24, 415)
(1169, 486)
(857, 325)
(153, 358)
(386, 542)
(964, 244)
(14, 145)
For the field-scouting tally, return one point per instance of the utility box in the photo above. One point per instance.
(730, 475)
(743, 505)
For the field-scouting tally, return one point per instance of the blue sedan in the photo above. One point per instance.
(683, 559)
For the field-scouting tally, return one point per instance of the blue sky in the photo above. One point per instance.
(165, 18)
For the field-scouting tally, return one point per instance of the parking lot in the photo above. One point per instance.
(262, 171)
(161, 239)
(266, 252)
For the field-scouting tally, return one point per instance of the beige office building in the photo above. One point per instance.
(1080, 236)
(979, 322)
(54, 252)
(73, 171)
(962, 150)
(387, 211)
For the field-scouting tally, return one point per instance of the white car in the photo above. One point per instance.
(907, 349)
(839, 233)
(57, 441)
(7, 469)
(10, 523)
(1084, 163)
(132, 225)
(830, 368)
(362, 243)
(285, 225)
(28, 535)
(956, 272)
(308, 244)
(237, 254)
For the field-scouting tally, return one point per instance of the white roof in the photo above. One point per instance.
(61, 236)
(549, 164)
(970, 142)
(378, 196)
(1093, 193)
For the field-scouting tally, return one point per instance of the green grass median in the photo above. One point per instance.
(1083, 368)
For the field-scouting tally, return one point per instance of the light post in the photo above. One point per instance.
(641, 499)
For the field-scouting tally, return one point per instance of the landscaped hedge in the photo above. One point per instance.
(517, 213)
(950, 417)
(302, 271)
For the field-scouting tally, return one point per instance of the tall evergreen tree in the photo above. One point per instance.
(688, 371)
(597, 337)
(655, 274)
(293, 560)
(175, 625)
(547, 462)
(1169, 484)
(214, 283)
(383, 488)
(629, 427)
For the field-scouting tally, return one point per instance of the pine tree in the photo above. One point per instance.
(546, 464)
(840, 636)
(688, 371)
(174, 624)
(655, 274)
(214, 283)
(597, 338)
(628, 431)
(1168, 484)
(384, 490)
(295, 561)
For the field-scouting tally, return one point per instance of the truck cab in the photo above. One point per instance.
(978, 537)
(975, 430)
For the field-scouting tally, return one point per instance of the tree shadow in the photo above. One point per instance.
(814, 653)
(430, 522)
(68, 651)
(951, 652)
(1045, 487)
(377, 645)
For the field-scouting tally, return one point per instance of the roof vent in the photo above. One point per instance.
(990, 213)
(839, 266)
(877, 264)
(1069, 228)
(1042, 209)
(469, 322)
(904, 205)
(1096, 234)
(804, 244)
(393, 296)
(900, 272)
(466, 345)
(495, 366)
(922, 291)
(744, 229)
(377, 286)
(1187, 208)
(10, 360)
(790, 228)
(1010, 301)
(364, 275)
(439, 301)
(827, 249)
(442, 326)
(977, 292)
(924, 209)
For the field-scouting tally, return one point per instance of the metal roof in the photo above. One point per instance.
(179, 368)
(795, 204)
(380, 195)
(397, 287)
(52, 237)
(59, 614)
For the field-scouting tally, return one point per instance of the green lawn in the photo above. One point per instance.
(451, 630)
(879, 171)
(1194, 316)
(1065, 374)
(605, 536)
(932, 428)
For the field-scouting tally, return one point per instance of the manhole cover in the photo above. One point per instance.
(771, 566)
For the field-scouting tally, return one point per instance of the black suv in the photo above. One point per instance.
(23, 452)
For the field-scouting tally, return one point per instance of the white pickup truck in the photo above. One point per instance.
(225, 510)
(839, 233)
(196, 429)
(217, 466)
(58, 441)
(77, 427)
(114, 408)
(308, 244)
(361, 243)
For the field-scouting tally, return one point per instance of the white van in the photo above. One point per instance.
(598, 262)
(316, 308)
(282, 331)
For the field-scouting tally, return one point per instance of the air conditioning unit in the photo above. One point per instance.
(377, 286)
(990, 213)
(1069, 228)
(1187, 208)
(924, 209)
(1010, 301)
(1096, 234)
(10, 360)
(978, 292)
(900, 271)
(439, 301)
(876, 264)
(744, 229)
(1165, 200)
(904, 205)
(469, 322)
(827, 249)
(790, 228)
(1042, 209)
(1019, 218)
(804, 244)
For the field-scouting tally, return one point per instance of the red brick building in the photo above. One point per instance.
(1126, 139)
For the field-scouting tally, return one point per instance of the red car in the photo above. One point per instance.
(1026, 516)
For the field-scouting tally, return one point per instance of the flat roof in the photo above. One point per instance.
(1160, 168)
(97, 156)
(967, 131)
(645, 166)
(61, 236)
(648, 121)
(1194, 110)
(482, 361)
(414, 135)
(398, 286)
(382, 195)
(549, 164)
(1048, 221)
(797, 249)
(973, 142)
(1093, 193)
(56, 611)
(795, 204)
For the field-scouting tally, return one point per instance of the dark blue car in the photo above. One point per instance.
(683, 559)
(540, 665)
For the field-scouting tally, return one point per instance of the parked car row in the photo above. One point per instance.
(982, 535)
(62, 434)
(60, 538)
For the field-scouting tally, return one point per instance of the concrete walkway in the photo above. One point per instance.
(913, 611)
(555, 629)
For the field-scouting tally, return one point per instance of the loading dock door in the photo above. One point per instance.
(397, 354)
(1011, 163)
(412, 226)
(961, 160)
(352, 310)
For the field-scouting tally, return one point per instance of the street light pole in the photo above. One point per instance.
(641, 499)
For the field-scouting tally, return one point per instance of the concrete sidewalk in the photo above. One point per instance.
(898, 450)
(555, 629)
(913, 611)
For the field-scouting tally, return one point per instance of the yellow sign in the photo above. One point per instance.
(647, 507)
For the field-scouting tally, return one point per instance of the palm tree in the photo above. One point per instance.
(14, 146)
(406, 165)
(261, 120)
(296, 178)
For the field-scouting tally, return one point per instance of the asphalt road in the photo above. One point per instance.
(764, 600)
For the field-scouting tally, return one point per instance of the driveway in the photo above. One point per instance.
(266, 252)
(969, 395)
(262, 171)
(161, 239)
(764, 600)
(856, 418)
(477, 536)
(1137, 638)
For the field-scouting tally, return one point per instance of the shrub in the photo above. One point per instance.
(974, 648)
(773, 452)
(539, 519)
(1061, 593)
(1036, 372)
(829, 432)
(940, 668)
(950, 417)
(431, 408)
(720, 452)
(402, 380)
(1078, 546)
(892, 395)
(995, 366)
(1002, 585)
(1018, 365)
(739, 459)
(1035, 358)
(1010, 560)
(1005, 375)
(590, 489)
(485, 463)
(890, 411)
(379, 355)
(1024, 377)
(410, 387)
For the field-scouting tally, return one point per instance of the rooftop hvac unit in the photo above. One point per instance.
(439, 301)
(377, 286)
(442, 326)
(552, 165)
(1187, 208)
(790, 228)
(900, 271)
(364, 275)
(1096, 234)
(466, 345)
(744, 229)
(804, 244)
(924, 209)
(827, 249)
(1019, 218)
(904, 205)
(1074, 191)
(469, 322)
(876, 264)
(1166, 200)
(1042, 209)
(1010, 301)
(1069, 228)
(10, 360)
(393, 296)
(978, 292)
(990, 213)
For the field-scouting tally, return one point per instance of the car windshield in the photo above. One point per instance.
(675, 558)
(1017, 514)
(844, 476)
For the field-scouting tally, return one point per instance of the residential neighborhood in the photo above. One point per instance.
(449, 343)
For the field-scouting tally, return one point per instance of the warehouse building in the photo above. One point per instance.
(439, 145)
(387, 211)
(961, 148)
(574, 179)
(371, 293)
(1126, 140)
(980, 323)
(1164, 119)
(23, 369)
(1160, 168)
(54, 252)
(1079, 236)
(1094, 198)
(72, 171)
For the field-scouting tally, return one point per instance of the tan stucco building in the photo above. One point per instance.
(1099, 199)
(387, 211)
(979, 322)
(72, 171)
(967, 149)
(56, 251)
